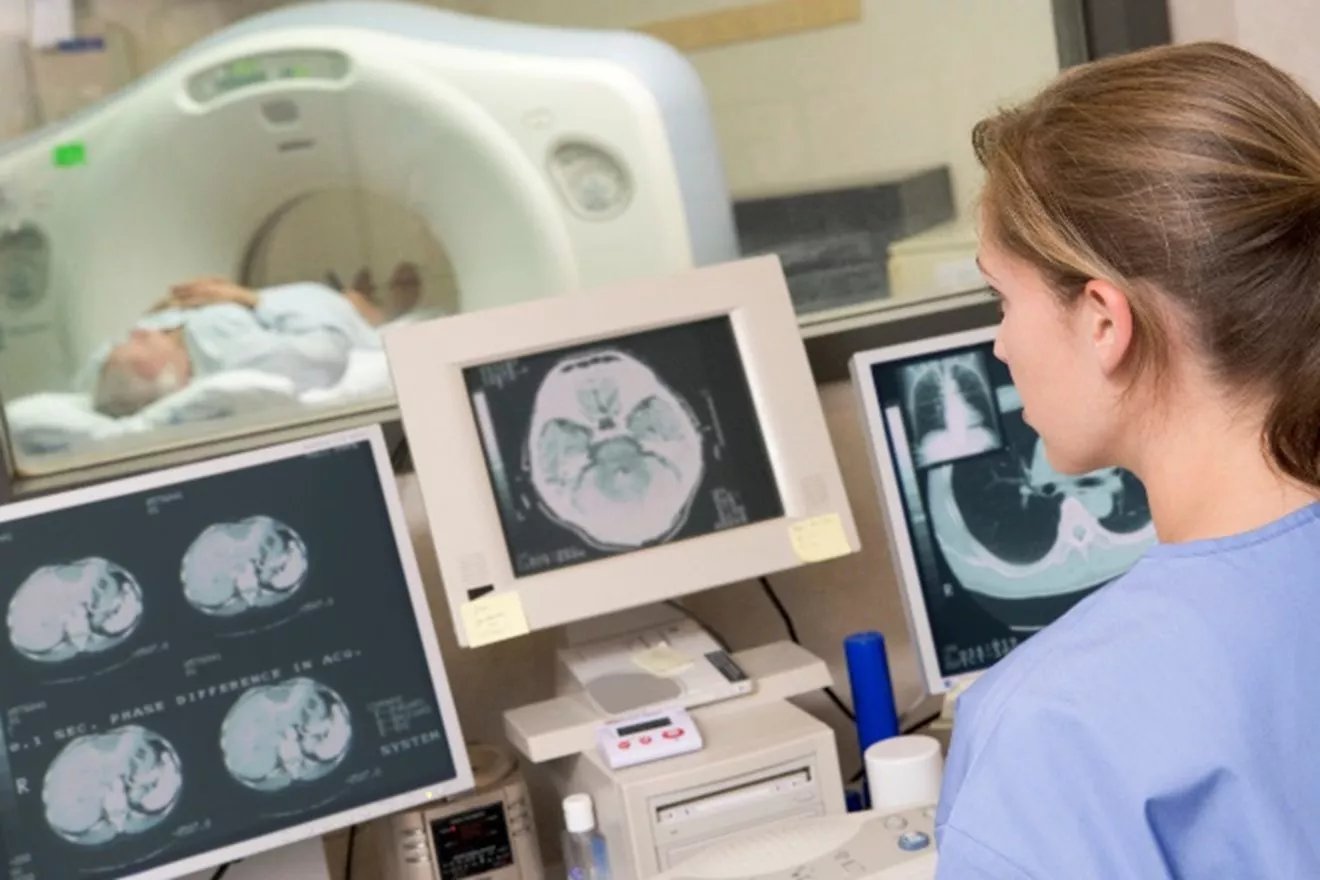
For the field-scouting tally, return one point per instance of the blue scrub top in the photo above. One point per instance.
(1161, 728)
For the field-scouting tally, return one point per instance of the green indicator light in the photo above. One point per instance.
(70, 155)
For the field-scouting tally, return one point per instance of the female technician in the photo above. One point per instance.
(1151, 224)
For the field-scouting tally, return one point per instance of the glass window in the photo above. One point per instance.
(208, 216)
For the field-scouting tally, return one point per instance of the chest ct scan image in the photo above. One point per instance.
(991, 521)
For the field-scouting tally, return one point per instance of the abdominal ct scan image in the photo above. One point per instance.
(276, 736)
(236, 567)
(111, 785)
(622, 444)
(1004, 543)
(66, 610)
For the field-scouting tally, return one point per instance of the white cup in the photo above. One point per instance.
(903, 772)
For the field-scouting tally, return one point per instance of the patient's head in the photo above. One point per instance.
(143, 368)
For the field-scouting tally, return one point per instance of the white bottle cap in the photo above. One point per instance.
(904, 771)
(579, 814)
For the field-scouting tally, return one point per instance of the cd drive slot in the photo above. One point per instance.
(781, 785)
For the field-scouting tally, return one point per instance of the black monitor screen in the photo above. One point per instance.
(621, 444)
(199, 664)
(1003, 543)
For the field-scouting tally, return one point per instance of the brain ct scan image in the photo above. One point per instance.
(949, 408)
(622, 444)
(111, 785)
(615, 455)
(240, 566)
(279, 735)
(1003, 543)
(62, 611)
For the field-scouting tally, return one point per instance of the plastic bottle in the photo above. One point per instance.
(585, 856)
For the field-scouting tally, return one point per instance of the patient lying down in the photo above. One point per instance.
(304, 332)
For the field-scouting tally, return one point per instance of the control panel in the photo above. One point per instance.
(648, 738)
(253, 70)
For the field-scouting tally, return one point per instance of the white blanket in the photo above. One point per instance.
(57, 423)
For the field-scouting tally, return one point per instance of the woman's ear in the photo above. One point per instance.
(1106, 323)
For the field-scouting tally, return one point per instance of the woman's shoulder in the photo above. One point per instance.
(1128, 637)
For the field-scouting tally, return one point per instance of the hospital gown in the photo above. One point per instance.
(304, 332)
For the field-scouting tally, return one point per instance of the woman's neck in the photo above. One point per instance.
(1207, 474)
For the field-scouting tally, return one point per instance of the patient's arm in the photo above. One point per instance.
(208, 291)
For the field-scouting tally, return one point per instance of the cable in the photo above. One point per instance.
(690, 615)
(222, 870)
(843, 707)
(783, 612)
(793, 634)
(401, 458)
(348, 858)
(916, 725)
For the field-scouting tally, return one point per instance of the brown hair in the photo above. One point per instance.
(1188, 172)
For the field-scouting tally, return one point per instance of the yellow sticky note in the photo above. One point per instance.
(494, 618)
(819, 538)
(662, 661)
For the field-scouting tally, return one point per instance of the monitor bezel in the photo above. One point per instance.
(462, 779)
(902, 557)
(428, 360)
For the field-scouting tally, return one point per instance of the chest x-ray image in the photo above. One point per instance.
(950, 414)
(622, 444)
(1004, 544)
(278, 735)
(235, 567)
(65, 610)
(109, 785)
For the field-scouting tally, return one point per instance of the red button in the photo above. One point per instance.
(674, 733)
(646, 740)
(625, 745)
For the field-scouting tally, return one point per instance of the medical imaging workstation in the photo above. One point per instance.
(225, 653)
(186, 680)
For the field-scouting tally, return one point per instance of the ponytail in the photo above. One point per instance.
(1292, 427)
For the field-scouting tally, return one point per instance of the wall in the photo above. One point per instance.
(856, 102)
(1281, 31)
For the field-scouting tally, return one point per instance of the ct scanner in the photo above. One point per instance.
(543, 159)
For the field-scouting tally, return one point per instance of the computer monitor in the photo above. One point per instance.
(210, 661)
(596, 452)
(989, 542)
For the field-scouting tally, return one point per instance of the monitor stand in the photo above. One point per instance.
(647, 659)
(299, 861)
